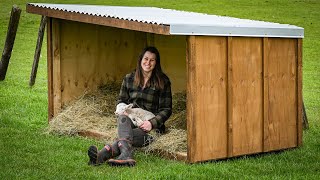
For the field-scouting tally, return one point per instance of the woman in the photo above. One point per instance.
(148, 88)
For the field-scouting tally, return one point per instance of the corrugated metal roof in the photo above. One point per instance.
(184, 23)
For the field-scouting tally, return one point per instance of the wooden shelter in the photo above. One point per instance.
(243, 78)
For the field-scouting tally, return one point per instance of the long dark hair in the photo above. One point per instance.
(157, 76)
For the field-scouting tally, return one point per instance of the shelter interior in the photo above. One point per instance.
(92, 55)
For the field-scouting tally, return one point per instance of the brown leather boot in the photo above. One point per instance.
(126, 156)
(107, 152)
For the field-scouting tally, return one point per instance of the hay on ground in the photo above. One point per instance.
(174, 140)
(95, 112)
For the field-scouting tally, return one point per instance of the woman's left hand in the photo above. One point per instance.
(146, 126)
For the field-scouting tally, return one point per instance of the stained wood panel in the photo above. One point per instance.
(173, 58)
(245, 95)
(191, 99)
(206, 98)
(56, 66)
(49, 69)
(280, 129)
(92, 55)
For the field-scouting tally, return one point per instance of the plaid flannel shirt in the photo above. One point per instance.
(157, 101)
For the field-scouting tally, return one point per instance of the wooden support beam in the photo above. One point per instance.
(191, 91)
(56, 66)
(49, 68)
(38, 51)
(11, 35)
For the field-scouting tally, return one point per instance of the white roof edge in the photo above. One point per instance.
(183, 22)
(180, 29)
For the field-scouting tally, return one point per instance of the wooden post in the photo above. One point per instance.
(56, 66)
(38, 51)
(11, 35)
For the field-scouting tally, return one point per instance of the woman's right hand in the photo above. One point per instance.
(146, 126)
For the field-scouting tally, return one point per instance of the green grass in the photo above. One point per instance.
(27, 152)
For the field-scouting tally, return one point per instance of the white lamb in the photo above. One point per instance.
(137, 115)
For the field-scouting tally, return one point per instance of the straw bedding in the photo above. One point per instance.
(95, 112)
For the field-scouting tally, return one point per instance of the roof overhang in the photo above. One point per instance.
(165, 21)
(99, 20)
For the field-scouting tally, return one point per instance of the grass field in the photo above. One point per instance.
(27, 152)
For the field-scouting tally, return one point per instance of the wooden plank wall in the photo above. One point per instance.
(92, 55)
(280, 130)
(246, 88)
(56, 66)
(242, 96)
(207, 98)
(173, 59)
(85, 56)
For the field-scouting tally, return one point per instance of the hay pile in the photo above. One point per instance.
(95, 112)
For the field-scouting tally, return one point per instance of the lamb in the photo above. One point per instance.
(137, 115)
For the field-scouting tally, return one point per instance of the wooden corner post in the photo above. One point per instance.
(56, 74)
(191, 78)
(49, 68)
(53, 64)
(37, 51)
(11, 35)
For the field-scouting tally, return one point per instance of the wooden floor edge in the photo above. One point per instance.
(179, 156)
(93, 134)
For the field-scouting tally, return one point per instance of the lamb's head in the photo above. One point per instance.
(122, 107)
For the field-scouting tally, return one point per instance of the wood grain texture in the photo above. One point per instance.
(245, 95)
(191, 98)
(50, 68)
(173, 59)
(281, 126)
(206, 95)
(56, 71)
(105, 21)
(93, 55)
(150, 39)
